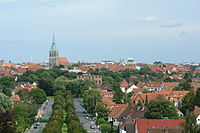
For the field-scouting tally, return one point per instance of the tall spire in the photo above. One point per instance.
(53, 38)
(53, 46)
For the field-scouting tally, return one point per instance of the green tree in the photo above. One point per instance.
(5, 103)
(119, 97)
(25, 115)
(38, 95)
(47, 86)
(90, 99)
(106, 128)
(6, 115)
(161, 108)
(101, 110)
(190, 124)
(197, 98)
(188, 103)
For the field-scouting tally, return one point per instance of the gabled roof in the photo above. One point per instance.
(124, 83)
(132, 112)
(117, 110)
(197, 111)
(144, 124)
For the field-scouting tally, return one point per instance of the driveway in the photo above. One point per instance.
(82, 113)
(47, 109)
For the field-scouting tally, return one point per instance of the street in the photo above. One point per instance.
(82, 114)
(47, 109)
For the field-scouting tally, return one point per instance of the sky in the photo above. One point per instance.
(95, 30)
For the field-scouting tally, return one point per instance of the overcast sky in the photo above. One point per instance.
(95, 30)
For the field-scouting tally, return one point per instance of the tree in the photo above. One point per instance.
(146, 101)
(184, 86)
(161, 108)
(90, 99)
(197, 98)
(25, 115)
(188, 103)
(190, 124)
(106, 128)
(6, 115)
(101, 110)
(38, 95)
(47, 86)
(5, 103)
(119, 96)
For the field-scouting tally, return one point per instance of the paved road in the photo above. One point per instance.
(81, 112)
(47, 108)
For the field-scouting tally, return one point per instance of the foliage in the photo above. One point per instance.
(161, 108)
(38, 95)
(184, 86)
(6, 84)
(25, 114)
(7, 122)
(119, 97)
(56, 120)
(188, 103)
(101, 110)
(197, 98)
(106, 128)
(5, 103)
(6, 115)
(90, 99)
(190, 124)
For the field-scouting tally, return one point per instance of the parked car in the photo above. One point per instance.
(93, 126)
(82, 122)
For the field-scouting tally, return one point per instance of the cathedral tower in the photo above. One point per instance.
(53, 54)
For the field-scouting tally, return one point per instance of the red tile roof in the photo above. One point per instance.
(15, 98)
(144, 124)
(117, 110)
(124, 83)
(63, 60)
(197, 111)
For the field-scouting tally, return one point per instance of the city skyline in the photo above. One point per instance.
(92, 31)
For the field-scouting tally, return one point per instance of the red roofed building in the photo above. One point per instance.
(63, 61)
(15, 98)
(108, 102)
(146, 125)
(173, 96)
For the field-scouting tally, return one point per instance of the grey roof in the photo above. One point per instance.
(53, 46)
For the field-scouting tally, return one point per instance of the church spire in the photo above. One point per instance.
(53, 46)
(53, 38)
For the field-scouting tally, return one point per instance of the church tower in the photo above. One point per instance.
(53, 54)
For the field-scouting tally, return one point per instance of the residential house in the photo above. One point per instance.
(126, 87)
(158, 126)
(107, 94)
(121, 113)
(108, 101)
(197, 114)
(173, 96)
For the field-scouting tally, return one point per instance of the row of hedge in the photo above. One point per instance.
(56, 120)
(72, 120)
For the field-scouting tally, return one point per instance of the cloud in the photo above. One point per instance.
(149, 18)
(173, 24)
(17, 41)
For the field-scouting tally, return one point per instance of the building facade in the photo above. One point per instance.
(97, 78)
